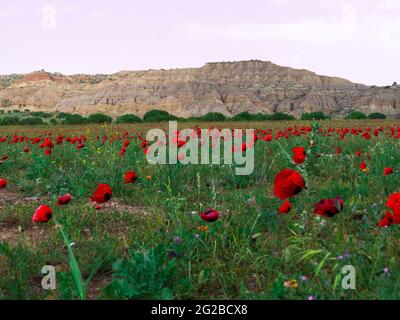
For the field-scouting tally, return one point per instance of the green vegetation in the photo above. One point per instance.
(149, 241)
(73, 119)
(278, 116)
(99, 118)
(128, 118)
(26, 117)
(212, 116)
(314, 116)
(376, 115)
(356, 115)
(158, 116)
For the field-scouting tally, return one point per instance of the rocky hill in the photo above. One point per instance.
(226, 87)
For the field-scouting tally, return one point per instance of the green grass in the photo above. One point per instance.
(248, 254)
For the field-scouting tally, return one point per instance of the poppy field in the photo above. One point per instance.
(85, 200)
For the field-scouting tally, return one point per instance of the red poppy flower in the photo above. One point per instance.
(393, 201)
(48, 152)
(391, 218)
(329, 207)
(299, 155)
(363, 167)
(65, 199)
(387, 220)
(285, 207)
(3, 183)
(287, 184)
(42, 214)
(122, 151)
(358, 153)
(268, 138)
(102, 194)
(131, 177)
(387, 171)
(26, 149)
(210, 215)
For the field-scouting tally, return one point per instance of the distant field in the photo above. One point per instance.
(149, 240)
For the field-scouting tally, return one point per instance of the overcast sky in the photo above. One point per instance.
(358, 40)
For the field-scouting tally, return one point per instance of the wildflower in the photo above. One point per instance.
(65, 199)
(299, 155)
(102, 194)
(394, 216)
(386, 270)
(287, 184)
(363, 167)
(3, 183)
(303, 278)
(329, 207)
(285, 208)
(210, 215)
(177, 240)
(387, 171)
(292, 284)
(203, 228)
(130, 177)
(42, 214)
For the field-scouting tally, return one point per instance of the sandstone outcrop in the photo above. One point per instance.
(226, 87)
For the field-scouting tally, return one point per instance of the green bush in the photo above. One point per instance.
(9, 121)
(62, 115)
(99, 118)
(376, 115)
(356, 115)
(40, 114)
(73, 119)
(243, 116)
(128, 118)
(260, 117)
(212, 116)
(158, 116)
(247, 116)
(314, 116)
(277, 116)
(31, 121)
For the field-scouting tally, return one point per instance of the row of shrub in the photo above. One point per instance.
(357, 115)
(160, 115)
(36, 118)
(10, 121)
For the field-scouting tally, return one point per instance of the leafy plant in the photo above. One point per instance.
(128, 118)
(356, 115)
(145, 275)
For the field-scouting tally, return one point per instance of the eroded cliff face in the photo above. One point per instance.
(226, 87)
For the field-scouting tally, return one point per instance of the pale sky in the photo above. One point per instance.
(355, 39)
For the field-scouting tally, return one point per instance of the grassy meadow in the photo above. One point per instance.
(149, 242)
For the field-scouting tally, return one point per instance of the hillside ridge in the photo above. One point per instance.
(226, 87)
